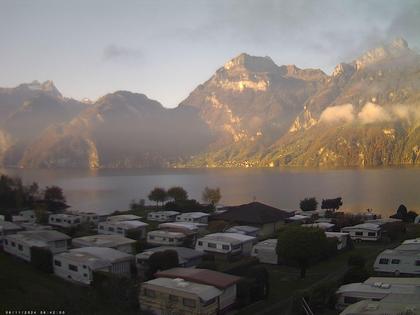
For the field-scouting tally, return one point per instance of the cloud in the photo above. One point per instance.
(372, 113)
(113, 51)
(406, 112)
(338, 114)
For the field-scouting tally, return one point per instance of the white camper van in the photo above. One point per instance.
(398, 262)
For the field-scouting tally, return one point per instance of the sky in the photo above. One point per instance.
(164, 49)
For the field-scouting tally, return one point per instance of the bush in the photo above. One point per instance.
(356, 261)
(121, 291)
(355, 274)
(41, 258)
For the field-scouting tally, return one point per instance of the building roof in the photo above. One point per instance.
(8, 226)
(378, 288)
(269, 243)
(253, 213)
(104, 253)
(91, 260)
(298, 217)
(203, 291)
(335, 234)
(193, 227)
(165, 212)
(320, 225)
(102, 240)
(184, 254)
(233, 238)
(218, 279)
(166, 233)
(194, 215)
(34, 226)
(132, 224)
(44, 235)
(242, 229)
(393, 304)
(363, 226)
(123, 217)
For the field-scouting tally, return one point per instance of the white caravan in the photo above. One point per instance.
(363, 232)
(162, 238)
(265, 251)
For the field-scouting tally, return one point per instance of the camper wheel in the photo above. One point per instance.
(396, 273)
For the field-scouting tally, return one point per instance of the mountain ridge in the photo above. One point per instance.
(249, 113)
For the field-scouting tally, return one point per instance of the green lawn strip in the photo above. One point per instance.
(22, 287)
(285, 281)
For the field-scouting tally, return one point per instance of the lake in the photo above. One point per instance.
(106, 190)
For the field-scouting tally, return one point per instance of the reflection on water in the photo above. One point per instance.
(107, 190)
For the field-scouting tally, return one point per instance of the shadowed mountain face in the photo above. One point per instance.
(251, 112)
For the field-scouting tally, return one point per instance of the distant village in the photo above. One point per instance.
(180, 256)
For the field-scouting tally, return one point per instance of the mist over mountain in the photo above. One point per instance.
(251, 112)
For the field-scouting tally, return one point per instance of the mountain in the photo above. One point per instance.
(366, 113)
(251, 112)
(121, 129)
(28, 110)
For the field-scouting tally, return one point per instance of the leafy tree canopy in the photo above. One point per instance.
(332, 204)
(302, 246)
(211, 195)
(177, 193)
(308, 204)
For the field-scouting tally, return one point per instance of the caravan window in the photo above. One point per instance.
(371, 234)
(359, 233)
(384, 261)
(417, 262)
(211, 245)
(395, 261)
(57, 263)
(173, 298)
(20, 247)
(200, 243)
(73, 267)
(149, 293)
(225, 247)
(188, 302)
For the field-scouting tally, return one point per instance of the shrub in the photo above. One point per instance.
(356, 261)
(42, 259)
(355, 274)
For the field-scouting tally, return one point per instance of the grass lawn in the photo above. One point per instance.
(285, 281)
(22, 287)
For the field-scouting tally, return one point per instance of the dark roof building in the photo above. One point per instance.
(254, 213)
(265, 217)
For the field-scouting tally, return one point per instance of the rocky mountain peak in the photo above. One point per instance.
(386, 52)
(251, 63)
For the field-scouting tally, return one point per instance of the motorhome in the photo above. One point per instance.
(398, 261)
(64, 220)
(162, 216)
(118, 242)
(162, 238)
(78, 264)
(123, 228)
(187, 257)
(195, 217)
(20, 244)
(375, 289)
(363, 232)
(123, 217)
(342, 239)
(265, 251)
(226, 243)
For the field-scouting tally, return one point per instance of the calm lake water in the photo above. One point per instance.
(107, 190)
